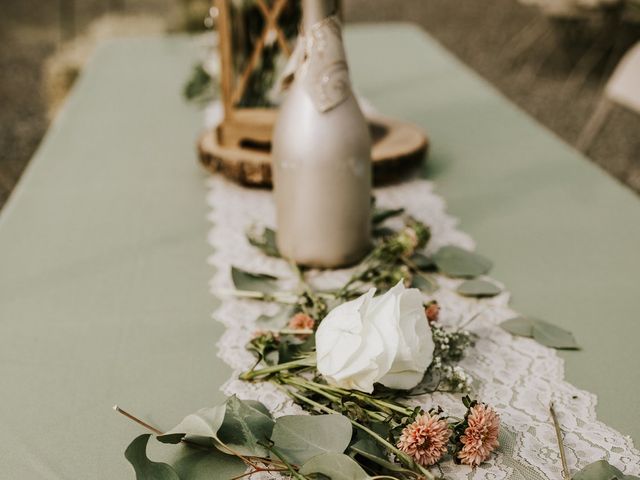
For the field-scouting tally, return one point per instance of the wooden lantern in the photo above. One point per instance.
(255, 38)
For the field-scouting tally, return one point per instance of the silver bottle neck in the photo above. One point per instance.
(314, 11)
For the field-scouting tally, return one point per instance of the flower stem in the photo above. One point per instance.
(302, 362)
(366, 397)
(318, 388)
(293, 331)
(278, 297)
(376, 402)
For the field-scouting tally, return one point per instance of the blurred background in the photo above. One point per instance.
(553, 58)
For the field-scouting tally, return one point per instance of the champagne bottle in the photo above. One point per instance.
(322, 153)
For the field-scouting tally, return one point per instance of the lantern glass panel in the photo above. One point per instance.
(258, 54)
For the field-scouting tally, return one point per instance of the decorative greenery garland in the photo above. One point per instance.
(350, 434)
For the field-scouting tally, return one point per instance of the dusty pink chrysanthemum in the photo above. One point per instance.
(301, 321)
(426, 439)
(480, 438)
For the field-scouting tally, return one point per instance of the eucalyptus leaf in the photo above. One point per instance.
(364, 443)
(457, 262)
(136, 454)
(195, 464)
(422, 262)
(602, 470)
(247, 424)
(255, 282)
(381, 214)
(336, 466)
(300, 437)
(265, 240)
(520, 326)
(554, 337)
(424, 283)
(478, 288)
(200, 427)
(542, 332)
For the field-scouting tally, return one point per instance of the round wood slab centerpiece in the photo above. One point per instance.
(397, 148)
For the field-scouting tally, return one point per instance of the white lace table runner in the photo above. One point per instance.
(517, 376)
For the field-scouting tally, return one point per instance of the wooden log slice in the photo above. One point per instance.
(398, 147)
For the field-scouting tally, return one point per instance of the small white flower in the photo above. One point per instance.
(385, 339)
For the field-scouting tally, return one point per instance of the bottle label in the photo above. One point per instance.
(324, 71)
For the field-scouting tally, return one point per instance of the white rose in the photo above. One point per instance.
(386, 339)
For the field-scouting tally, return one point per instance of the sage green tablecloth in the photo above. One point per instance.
(103, 274)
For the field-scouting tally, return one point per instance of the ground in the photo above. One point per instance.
(555, 70)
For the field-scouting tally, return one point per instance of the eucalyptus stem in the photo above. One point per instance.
(293, 471)
(137, 420)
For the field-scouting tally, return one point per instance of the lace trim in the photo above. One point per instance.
(517, 376)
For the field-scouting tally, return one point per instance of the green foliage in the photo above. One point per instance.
(382, 214)
(200, 86)
(301, 437)
(145, 469)
(554, 337)
(390, 261)
(246, 427)
(425, 283)
(292, 347)
(264, 239)
(190, 463)
(478, 288)
(364, 444)
(195, 464)
(200, 427)
(336, 466)
(542, 332)
(256, 282)
(457, 262)
(263, 346)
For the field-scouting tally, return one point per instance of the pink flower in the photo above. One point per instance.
(426, 439)
(480, 438)
(433, 311)
(301, 321)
